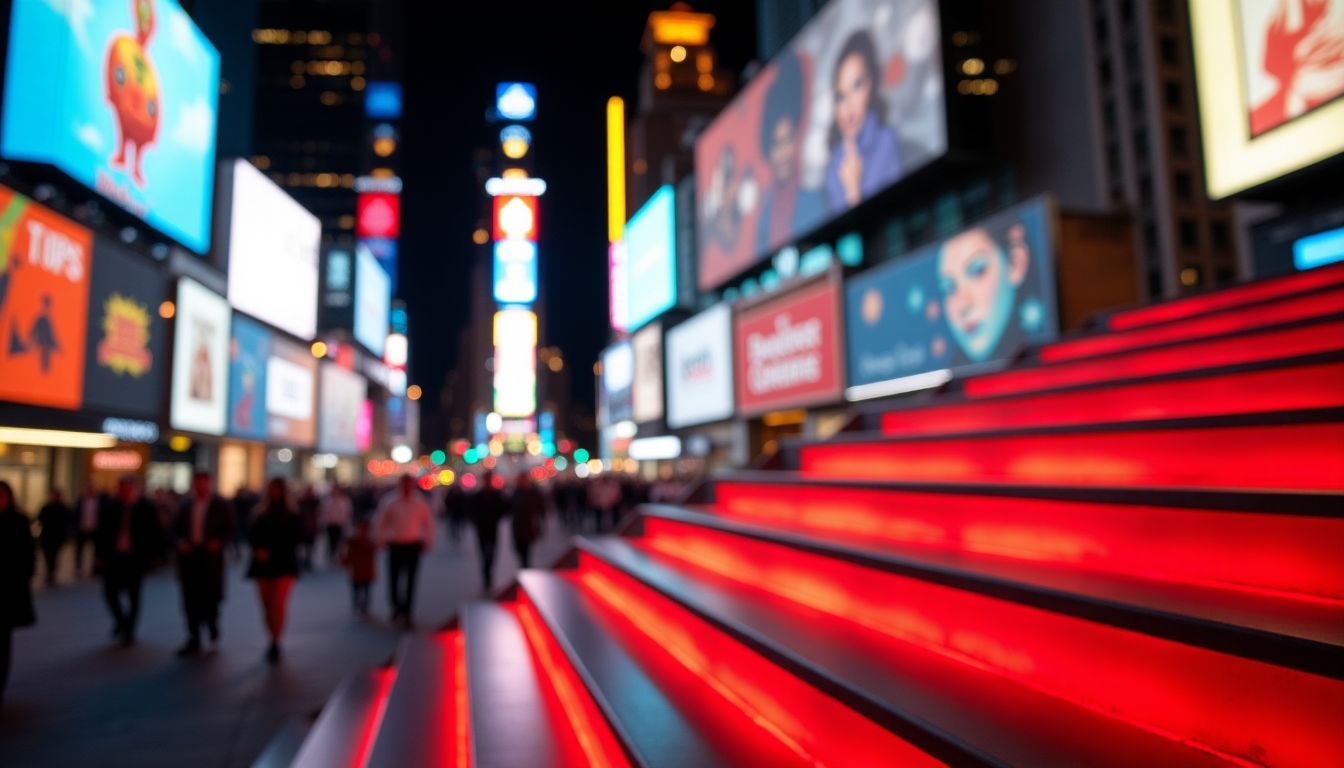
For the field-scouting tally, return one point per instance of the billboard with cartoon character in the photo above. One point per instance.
(122, 96)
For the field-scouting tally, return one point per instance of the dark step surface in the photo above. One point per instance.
(421, 724)
(344, 732)
(285, 745)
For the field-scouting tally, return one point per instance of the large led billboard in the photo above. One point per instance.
(274, 247)
(1270, 76)
(45, 267)
(199, 399)
(647, 394)
(618, 379)
(249, 350)
(122, 96)
(515, 338)
(699, 370)
(373, 301)
(515, 271)
(291, 394)
(853, 105)
(788, 350)
(651, 258)
(341, 401)
(976, 297)
(125, 359)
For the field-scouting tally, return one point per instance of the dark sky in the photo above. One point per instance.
(455, 53)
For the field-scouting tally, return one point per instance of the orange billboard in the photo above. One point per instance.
(45, 267)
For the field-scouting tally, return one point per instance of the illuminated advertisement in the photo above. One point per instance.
(978, 296)
(788, 350)
(125, 356)
(274, 247)
(515, 271)
(1270, 76)
(651, 258)
(123, 99)
(618, 379)
(384, 251)
(699, 369)
(516, 101)
(515, 217)
(378, 214)
(852, 106)
(45, 268)
(291, 394)
(647, 395)
(199, 401)
(515, 338)
(364, 427)
(382, 100)
(618, 287)
(249, 349)
(341, 398)
(373, 302)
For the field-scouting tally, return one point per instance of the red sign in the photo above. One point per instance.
(515, 217)
(378, 215)
(788, 350)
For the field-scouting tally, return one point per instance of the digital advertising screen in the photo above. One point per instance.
(976, 297)
(647, 398)
(378, 214)
(126, 356)
(122, 96)
(199, 398)
(291, 395)
(45, 269)
(853, 105)
(274, 248)
(699, 369)
(373, 302)
(249, 351)
(618, 379)
(515, 378)
(788, 350)
(341, 398)
(651, 258)
(1270, 76)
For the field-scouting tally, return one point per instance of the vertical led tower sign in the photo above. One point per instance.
(616, 269)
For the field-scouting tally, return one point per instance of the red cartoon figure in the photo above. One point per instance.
(133, 90)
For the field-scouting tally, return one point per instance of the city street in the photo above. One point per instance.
(78, 699)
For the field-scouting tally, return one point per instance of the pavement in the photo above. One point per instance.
(77, 699)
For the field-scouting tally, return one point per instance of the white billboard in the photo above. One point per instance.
(648, 373)
(199, 401)
(274, 248)
(699, 370)
(341, 395)
(373, 301)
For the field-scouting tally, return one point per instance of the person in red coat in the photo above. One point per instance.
(358, 559)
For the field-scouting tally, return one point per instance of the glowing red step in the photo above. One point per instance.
(1204, 705)
(1298, 387)
(1306, 456)
(1286, 310)
(343, 735)
(1227, 298)
(426, 718)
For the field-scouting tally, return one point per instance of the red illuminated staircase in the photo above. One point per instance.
(1126, 550)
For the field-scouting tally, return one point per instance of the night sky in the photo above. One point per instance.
(456, 52)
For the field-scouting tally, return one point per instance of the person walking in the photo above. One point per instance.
(203, 527)
(405, 524)
(527, 508)
(17, 564)
(487, 507)
(309, 505)
(275, 535)
(455, 509)
(86, 530)
(54, 517)
(358, 559)
(335, 515)
(128, 536)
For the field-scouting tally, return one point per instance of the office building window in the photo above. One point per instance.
(1179, 139)
(1185, 187)
(1170, 51)
(1174, 94)
(1189, 233)
(1166, 10)
(1221, 235)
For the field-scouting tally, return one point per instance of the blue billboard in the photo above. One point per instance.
(373, 302)
(249, 350)
(515, 271)
(382, 100)
(651, 258)
(516, 101)
(976, 297)
(123, 98)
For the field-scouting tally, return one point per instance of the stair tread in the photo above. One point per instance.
(343, 732)
(1228, 297)
(416, 725)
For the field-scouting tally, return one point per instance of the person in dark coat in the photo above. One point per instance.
(527, 508)
(275, 536)
(17, 563)
(455, 509)
(203, 527)
(54, 518)
(128, 536)
(487, 508)
(309, 512)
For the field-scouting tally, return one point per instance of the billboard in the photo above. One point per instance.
(788, 350)
(515, 271)
(123, 100)
(618, 379)
(699, 368)
(341, 405)
(274, 247)
(853, 105)
(125, 356)
(291, 394)
(975, 297)
(249, 349)
(516, 101)
(199, 401)
(373, 302)
(45, 267)
(378, 215)
(1270, 76)
(515, 339)
(382, 100)
(647, 396)
(651, 258)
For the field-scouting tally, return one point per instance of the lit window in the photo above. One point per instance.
(706, 82)
(346, 222)
(662, 81)
(678, 53)
(1190, 277)
(296, 82)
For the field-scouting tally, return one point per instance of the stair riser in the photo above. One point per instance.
(1227, 299)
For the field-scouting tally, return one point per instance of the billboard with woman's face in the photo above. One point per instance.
(976, 297)
(853, 105)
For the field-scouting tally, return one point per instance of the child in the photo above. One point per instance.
(358, 560)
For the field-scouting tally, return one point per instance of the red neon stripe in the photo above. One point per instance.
(1285, 389)
(594, 743)
(1284, 311)
(1244, 712)
(1198, 355)
(1287, 457)
(1226, 298)
(461, 710)
(1290, 558)
(814, 728)
(383, 679)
